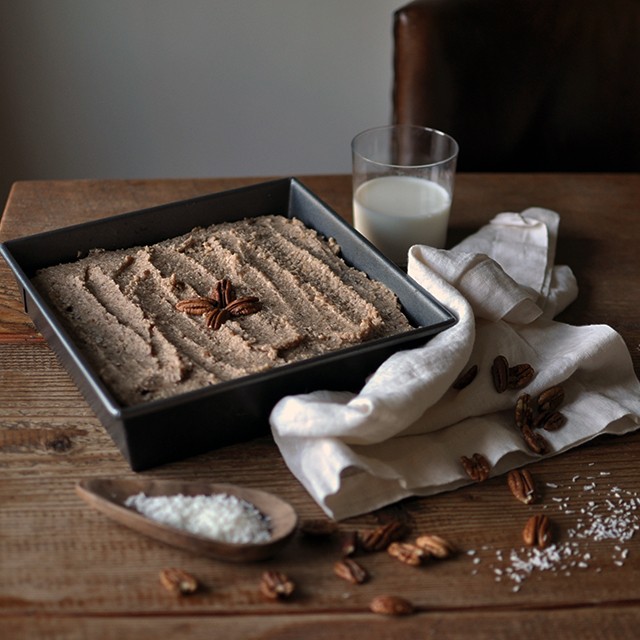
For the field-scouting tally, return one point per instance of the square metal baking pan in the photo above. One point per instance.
(162, 431)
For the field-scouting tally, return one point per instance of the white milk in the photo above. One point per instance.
(395, 212)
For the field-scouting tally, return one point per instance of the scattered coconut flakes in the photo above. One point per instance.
(599, 521)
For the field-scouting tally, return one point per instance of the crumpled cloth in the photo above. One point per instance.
(404, 433)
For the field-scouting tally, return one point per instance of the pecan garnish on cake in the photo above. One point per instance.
(220, 306)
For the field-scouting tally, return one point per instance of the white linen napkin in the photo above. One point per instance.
(404, 433)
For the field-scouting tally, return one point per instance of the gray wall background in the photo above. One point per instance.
(189, 88)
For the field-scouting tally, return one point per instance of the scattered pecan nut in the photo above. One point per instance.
(537, 531)
(550, 399)
(407, 553)
(553, 421)
(276, 586)
(435, 546)
(391, 606)
(381, 537)
(522, 485)
(535, 441)
(465, 378)
(351, 571)
(477, 467)
(500, 373)
(178, 581)
(524, 411)
(520, 375)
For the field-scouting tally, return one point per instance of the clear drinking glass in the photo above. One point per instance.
(403, 177)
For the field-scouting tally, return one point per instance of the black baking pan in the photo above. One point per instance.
(162, 431)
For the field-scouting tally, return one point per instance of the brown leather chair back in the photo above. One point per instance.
(523, 85)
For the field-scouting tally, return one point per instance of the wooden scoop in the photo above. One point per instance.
(108, 495)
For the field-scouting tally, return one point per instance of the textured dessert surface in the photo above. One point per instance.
(120, 306)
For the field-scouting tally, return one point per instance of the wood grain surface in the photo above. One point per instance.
(67, 571)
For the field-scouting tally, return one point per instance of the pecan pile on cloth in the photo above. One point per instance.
(424, 410)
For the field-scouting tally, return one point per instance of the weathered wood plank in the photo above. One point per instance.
(601, 623)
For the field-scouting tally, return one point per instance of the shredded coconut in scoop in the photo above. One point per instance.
(219, 516)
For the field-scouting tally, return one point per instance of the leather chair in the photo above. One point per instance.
(523, 85)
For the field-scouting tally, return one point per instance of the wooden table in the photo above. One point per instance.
(68, 572)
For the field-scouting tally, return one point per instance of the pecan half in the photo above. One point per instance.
(500, 373)
(276, 586)
(197, 306)
(524, 411)
(178, 581)
(465, 378)
(407, 553)
(435, 546)
(349, 570)
(520, 375)
(535, 441)
(537, 531)
(477, 467)
(391, 606)
(243, 306)
(553, 421)
(224, 292)
(550, 399)
(522, 486)
(381, 537)
(215, 318)
(539, 418)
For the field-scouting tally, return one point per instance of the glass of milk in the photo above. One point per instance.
(403, 179)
